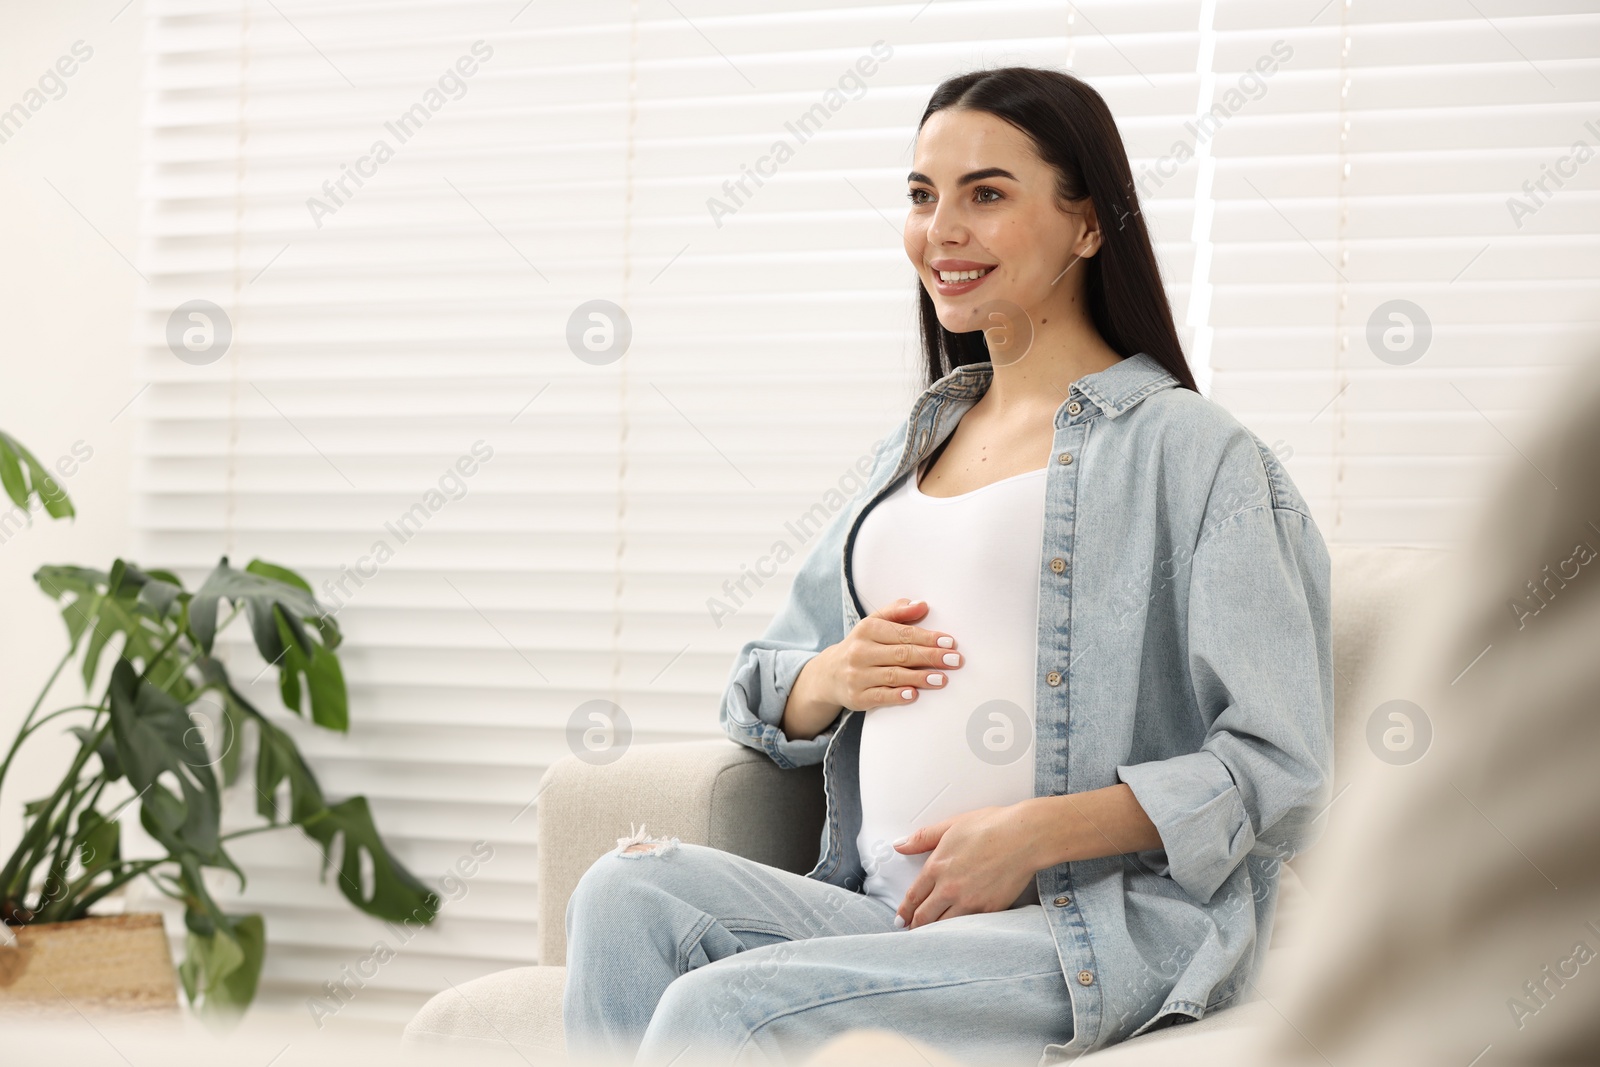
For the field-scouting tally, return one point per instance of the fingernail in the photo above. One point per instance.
(951, 659)
(947, 642)
(899, 923)
(914, 603)
(901, 840)
(905, 694)
(935, 679)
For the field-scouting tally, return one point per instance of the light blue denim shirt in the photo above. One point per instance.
(1184, 649)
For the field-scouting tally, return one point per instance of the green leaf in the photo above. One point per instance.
(201, 914)
(99, 842)
(236, 711)
(269, 640)
(107, 751)
(13, 459)
(56, 579)
(282, 574)
(326, 625)
(159, 595)
(278, 603)
(191, 972)
(258, 593)
(83, 583)
(99, 637)
(104, 605)
(277, 761)
(156, 737)
(277, 758)
(236, 990)
(11, 473)
(222, 964)
(232, 733)
(221, 969)
(395, 893)
(51, 495)
(323, 678)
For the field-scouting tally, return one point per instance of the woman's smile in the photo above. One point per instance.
(952, 277)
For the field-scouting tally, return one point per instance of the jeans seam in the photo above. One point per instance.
(696, 932)
(787, 1012)
(756, 927)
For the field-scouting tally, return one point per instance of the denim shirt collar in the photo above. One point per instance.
(1115, 390)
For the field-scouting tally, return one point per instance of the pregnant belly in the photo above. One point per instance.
(945, 754)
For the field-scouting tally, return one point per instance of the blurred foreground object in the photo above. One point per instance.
(1460, 919)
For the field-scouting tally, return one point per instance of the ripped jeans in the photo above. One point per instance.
(680, 953)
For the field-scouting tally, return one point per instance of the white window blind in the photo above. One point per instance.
(393, 307)
(1378, 167)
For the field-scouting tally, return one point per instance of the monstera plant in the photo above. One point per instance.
(23, 477)
(168, 732)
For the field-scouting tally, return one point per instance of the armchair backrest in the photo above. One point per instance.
(1375, 587)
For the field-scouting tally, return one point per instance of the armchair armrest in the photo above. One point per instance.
(717, 792)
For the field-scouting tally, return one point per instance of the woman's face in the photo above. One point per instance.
(983, 200)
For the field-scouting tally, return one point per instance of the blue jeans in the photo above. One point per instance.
(681, 952)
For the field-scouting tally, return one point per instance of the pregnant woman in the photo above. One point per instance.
(1065, 660)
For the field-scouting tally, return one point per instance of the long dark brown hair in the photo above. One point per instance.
(1073, 131)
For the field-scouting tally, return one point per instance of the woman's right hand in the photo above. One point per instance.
(884, 659)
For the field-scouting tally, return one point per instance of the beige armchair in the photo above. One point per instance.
(731, 797)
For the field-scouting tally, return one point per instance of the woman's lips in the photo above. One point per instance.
(957, 288)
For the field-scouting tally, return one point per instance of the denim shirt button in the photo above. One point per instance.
(1058, 564)
(1085, 977)
(1074, 407)
(1054, 677)
(1062, 902)
(1065, 457)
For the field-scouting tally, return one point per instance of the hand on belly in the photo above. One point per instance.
(885, 660)
(976, 862)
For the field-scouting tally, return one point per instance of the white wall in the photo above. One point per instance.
(66, 315)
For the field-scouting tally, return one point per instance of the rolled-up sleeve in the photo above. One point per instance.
(1260, 657)
(810, 620)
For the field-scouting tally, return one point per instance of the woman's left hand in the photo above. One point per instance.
(981, 862)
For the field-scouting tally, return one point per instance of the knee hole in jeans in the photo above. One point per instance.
(639, 843)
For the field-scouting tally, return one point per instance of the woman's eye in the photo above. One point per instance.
(978, 192)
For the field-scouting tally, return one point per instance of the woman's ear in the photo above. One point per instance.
(1089, 243)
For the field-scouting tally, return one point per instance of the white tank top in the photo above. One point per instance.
(975, 559)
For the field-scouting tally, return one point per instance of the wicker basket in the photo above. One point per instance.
(115, 963)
